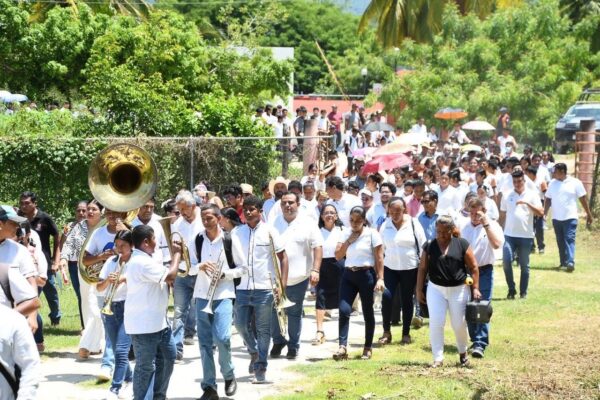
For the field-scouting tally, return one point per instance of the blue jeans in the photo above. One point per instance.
(214, 328)
(261, 303)
(52, 296)
(522, 248)
(108, 357)
(407, 280)
(154, 358)
(363, 283)
(189, 329)
(74, 276)
(480, 333)
(295, 294)
(115, 330)
(183, 292)
(565, 239)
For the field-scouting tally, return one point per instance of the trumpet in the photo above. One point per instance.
(280, 300)
(185, 252)
(214, 281)
(112, 289)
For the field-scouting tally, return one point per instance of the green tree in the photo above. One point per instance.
(136, 8)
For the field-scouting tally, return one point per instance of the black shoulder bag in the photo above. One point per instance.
(227, 247)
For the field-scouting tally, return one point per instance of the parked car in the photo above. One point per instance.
(584, 109)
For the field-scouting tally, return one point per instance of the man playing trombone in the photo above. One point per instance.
(214, 293)
(255, 246)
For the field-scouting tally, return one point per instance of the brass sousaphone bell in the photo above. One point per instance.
(122, 177)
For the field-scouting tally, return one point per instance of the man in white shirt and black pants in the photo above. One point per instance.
(516, 213)
(485, 236)
(253, 252)
(214, 321)
(146, 315)
(562, 195)
(303, 245)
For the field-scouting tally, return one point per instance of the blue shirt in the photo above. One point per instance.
(428, 224)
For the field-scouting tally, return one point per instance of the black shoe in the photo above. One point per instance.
(276, 350)
(570, 268)
(210, 394)
(230, 387)
(523, 296)
(291, 354)
(511, 296)
(253, 359)
(477, 352)
(55, 322)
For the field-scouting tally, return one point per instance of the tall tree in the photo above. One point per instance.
(136, 8)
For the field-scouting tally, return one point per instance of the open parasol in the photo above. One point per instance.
(377, 127)
(393, 148)
(387, 162)
(478, 126)
(451, 113)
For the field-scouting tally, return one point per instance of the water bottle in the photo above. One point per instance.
(377, 296)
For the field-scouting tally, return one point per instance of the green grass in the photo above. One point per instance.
(542, 347)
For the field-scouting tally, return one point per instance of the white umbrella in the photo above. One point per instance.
(16, 98)
(478, 126)
(411, 138)
(4, 94)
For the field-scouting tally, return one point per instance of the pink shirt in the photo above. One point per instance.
(413, 206)
(336, 119)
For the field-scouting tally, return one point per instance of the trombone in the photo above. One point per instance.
(280, 300)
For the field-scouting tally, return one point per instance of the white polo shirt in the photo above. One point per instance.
(17, 256)
(189, 231)
(344, 205)
(564, 195)
(361, 253)
(331, 240)
(214, 252)
(252, 251)
(111, 266)
(147, 295)
(299, 237)
(399, 244)
(448, 201)
(519, 218)
(479, 241)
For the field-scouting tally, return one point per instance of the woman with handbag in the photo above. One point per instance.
(447, 260)
(403, 238)
(363, 274)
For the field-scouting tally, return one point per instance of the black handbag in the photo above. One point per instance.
(479, 311)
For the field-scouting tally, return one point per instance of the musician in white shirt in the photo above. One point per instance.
(304, 248)
(214, 302)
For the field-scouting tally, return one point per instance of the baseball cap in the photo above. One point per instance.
(246, 188)
(8, 213)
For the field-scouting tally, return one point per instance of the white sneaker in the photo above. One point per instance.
(105, 374)
(111, 395)
(126, 391)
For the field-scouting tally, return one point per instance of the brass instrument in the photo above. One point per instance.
(122, 177)
(112, 289)
(185, 252)
(280, 302)
(214, 281)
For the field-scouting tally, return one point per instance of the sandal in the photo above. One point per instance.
(341, 354)
(367, 353)
(319, 338)
(464, 360)
(386, 338)
(437, 364)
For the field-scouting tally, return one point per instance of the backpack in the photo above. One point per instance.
(226, 246)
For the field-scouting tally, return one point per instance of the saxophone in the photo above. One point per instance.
(280, 302)
(214, 281)
(112, 289)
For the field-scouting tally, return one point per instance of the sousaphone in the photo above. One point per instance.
(122, 177)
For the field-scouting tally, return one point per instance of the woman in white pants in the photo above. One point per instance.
(447, 260)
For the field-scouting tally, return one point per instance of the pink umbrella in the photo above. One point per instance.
(387, 162)
(365, 151)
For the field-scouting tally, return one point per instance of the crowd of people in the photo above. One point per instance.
(423, 238)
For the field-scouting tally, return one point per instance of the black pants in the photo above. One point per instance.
(406, 280)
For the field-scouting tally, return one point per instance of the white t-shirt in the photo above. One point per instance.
(448, 201)
(214, 252)
(502, 142)
(161, 252)
(252, 251)
(564, 195)
(491, 209)
(111, 266)
(399, 244)
(100, 241)
(147, 295)
(267, 206)
(189, 232)
(376, 215)
(361, 253)
(344, 205)
(39, 259)
(331, 240)
(18, 348)
(16, 255)
(300, 237)
(460, 136)
(519, 218)
(20, 289)
(480, 243)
